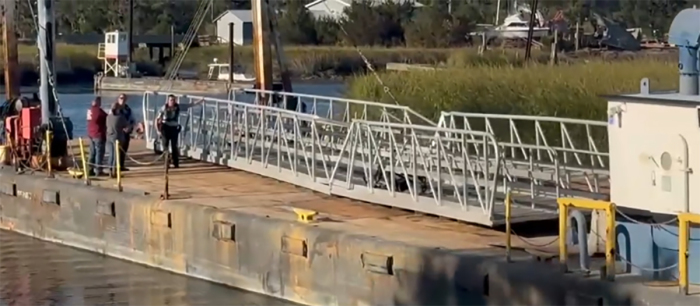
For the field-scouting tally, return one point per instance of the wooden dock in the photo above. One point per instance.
(211, 87)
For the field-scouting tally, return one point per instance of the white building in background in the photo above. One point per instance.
(334, 8)
(242, 26)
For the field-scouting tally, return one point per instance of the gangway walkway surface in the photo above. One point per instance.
(459, 167)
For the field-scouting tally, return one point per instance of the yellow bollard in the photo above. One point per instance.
(117, 154)
(684, 222)
(86, 174)
(609, 209)
(48, 152)
(610, 241)
(508, 226)
(563, 227)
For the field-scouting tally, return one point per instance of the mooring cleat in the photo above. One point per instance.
(305, 216)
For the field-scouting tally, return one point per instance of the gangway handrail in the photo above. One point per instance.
(526, 117)
(355, 101)
(430, 169)
(246, 105)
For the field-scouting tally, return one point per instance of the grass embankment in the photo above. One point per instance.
(571, 91)
(79, 63)
(565, 91)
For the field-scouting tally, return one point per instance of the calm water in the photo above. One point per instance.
(75, 105)
(37, 273)
(33, 272)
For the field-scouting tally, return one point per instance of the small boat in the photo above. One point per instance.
(517, 25)
(220, 72)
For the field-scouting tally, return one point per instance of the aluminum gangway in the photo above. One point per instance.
(374, 152)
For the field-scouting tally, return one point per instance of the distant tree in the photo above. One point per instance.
(296, 25)
(369, 23)
(327, 31)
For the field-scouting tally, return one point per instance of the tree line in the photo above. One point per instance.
(439, 23)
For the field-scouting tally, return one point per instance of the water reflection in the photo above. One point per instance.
(34, 272)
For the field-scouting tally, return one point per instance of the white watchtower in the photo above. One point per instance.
(115, 53)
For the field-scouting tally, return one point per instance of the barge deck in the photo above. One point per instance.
(231, 214)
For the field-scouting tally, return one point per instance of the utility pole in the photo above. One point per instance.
(262, 53)
(47, 53)
(531, 29)
(12, 86)
(131, 38)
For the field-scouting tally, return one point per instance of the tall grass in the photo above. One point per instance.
(571, 91)
(566, 91)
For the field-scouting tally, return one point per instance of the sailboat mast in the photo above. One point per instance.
(12, 86)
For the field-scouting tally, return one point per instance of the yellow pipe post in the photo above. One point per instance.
(609, 242)
(684, 222)
(48, 152)
(683, 279)
(86, 174)
(117, 155)
(563, 226)
(609, 208)
(508, 226)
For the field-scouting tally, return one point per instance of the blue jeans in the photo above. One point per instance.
(111, 148)
(97, 155)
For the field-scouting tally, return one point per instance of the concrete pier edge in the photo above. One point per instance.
(269, 252)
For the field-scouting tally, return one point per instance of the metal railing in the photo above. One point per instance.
(390, 162)
(579, 146)
(339, 109)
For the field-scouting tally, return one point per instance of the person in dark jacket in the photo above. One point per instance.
(128, 114)
(117, 127)
(168, 123)
(97, 131)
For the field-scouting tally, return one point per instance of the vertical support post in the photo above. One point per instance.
(531, 29)
(47, 53)
(86, 173)
(684, 222)
(172, 41)
(609, 242)
(12, 86)
(130, 39)
(508, 226)
(683, 279)
(166, 176)
(563, 227)
(230, 53)
(261, 45)
(48, 152)
(117, 157)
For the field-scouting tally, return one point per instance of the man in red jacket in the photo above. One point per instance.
(97, 131)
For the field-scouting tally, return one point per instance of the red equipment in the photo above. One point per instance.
(21, 130)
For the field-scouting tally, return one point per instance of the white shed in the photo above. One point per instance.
(334, 8)
(242, 26)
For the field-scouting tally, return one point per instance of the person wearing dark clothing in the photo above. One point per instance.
(97, 132)
(168, 123)
(128, 114)
(117, 127)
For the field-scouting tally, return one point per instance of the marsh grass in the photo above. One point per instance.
(571, 91)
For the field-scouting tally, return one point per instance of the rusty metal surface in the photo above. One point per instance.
(33, 272)
(227, 188)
